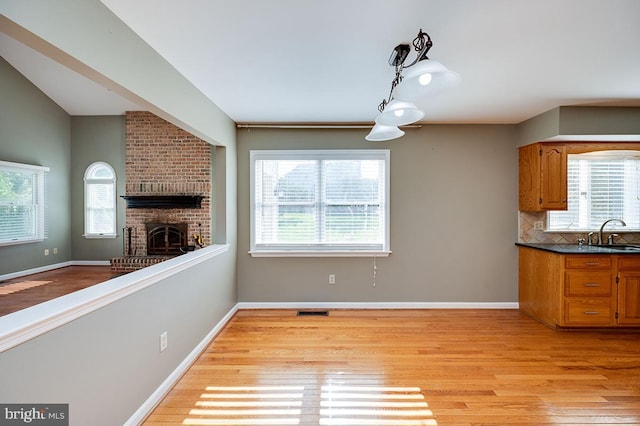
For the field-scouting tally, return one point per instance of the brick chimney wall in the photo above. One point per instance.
(162, 159)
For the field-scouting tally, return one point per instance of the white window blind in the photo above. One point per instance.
(320, 201)
(22, 203)
(100, 201)
(601, 186)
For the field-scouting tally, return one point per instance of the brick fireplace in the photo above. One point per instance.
(164, 162)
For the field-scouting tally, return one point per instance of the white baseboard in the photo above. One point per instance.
(156, 397)
(378, 305)
(34, 270)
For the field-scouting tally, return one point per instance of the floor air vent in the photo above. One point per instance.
(313, 313)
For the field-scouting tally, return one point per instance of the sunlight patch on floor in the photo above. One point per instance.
(374, 405)
(248, 405)
(23, 285)
(334, 405)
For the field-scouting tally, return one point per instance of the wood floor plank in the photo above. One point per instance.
(59, 282)
(405, 367)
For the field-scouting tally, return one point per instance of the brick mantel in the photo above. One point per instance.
(161, 160)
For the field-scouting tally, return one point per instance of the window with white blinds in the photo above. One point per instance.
(22, 203)
(100, 201)
(601, 185)
(319, 201)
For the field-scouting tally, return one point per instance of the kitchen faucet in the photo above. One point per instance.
(600, 239)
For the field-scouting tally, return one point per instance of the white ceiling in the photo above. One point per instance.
(325, 61)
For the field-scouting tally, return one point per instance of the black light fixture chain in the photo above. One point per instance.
(396, 80)
(422, 43)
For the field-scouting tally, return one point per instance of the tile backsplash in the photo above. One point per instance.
(526, 233)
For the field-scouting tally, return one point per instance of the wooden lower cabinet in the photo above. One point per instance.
(588, 285)
(629, 290)
(579, 290)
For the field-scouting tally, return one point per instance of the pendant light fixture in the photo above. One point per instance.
(380, 132)
(399, 113)
(426, 78)
(423, 77)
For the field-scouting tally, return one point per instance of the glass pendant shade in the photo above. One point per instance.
(380, 132)
(399, 113)
(425, 78)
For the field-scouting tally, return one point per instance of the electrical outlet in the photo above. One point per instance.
(46, 252)
(538, 225)
(55, 250)
(163, 341)
(332, 279)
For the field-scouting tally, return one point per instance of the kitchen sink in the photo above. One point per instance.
(621, 247)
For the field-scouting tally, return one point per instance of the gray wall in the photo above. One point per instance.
(581, 120)
(34, 130)
(454, 194)
(96, 139)
(582, 123)
(107, 363)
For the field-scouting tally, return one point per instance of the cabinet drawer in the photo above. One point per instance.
(588, 262)
(629, 262)
(587, 283)
(591, 312)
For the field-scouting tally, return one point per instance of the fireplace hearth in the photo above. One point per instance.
(164, 241)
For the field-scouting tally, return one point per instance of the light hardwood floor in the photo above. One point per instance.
(407, 367)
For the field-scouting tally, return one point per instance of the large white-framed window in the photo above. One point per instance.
(100, 201)
(320, 202)
(22, 203)
(601, 185)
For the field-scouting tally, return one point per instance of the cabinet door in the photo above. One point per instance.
(529, 178)
(629, 298)
(553, 175)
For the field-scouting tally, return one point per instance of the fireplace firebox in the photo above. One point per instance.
(166, 238)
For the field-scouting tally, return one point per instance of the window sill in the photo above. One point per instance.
(17, 241)
(320, 253)
(98, 236)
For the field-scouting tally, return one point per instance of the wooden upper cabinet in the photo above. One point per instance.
(542, 177)
(553, 177)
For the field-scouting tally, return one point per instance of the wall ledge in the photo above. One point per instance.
(24, 325)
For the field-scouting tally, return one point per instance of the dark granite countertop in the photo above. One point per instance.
(584, 249)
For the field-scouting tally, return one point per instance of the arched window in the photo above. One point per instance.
(100, 201)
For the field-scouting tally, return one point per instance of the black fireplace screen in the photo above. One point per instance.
(166, 238)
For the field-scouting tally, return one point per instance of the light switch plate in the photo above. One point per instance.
(163, 341)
